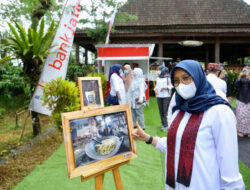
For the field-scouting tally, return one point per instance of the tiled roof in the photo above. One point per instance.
(187, 12)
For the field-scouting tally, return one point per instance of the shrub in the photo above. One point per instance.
(61, 96)
(232, 77)
(12, 81)
(2, 111)
(77, 70)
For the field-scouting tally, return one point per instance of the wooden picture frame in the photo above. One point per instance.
(90, 92)
(98, 139)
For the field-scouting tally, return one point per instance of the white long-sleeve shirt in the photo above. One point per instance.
(117, 85)
(219, 85)
(163, 83)
(215, 163)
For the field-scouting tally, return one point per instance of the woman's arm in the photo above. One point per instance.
(237, 83)
(140, 135)
(226, 144)
(158, 143)
(141, 93)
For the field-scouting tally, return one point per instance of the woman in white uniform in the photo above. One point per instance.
(116, 83)
(137, 98)
(201, 145)
(163, 90)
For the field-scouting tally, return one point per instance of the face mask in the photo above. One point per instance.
(159, 72)
(186, 91)
(121, 73)
(126, 72)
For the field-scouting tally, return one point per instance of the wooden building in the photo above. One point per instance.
(223, 26)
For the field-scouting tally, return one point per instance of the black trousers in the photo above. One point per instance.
(163, 104)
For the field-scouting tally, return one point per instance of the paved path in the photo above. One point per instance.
(244, 150)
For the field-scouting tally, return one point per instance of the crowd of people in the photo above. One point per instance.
(127, 86)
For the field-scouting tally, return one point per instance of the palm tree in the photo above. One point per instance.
(31, 47)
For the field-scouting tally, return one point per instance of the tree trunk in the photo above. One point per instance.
(35, 123)
(34, 115)
(37, 14)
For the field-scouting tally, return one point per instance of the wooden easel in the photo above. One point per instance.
(99, 177)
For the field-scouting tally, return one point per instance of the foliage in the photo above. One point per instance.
(12, 81)
(14, 104)
(232, 77)
(99, 14)
(31, 47)
(61, 96)
(5, 59)
(2, 111)
(77, 70)
(233, 102)
(16, 10)
(103, 80)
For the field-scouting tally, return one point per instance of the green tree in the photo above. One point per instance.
(77, 70)
(30, 10)
(12, 82)
(31, 47)
(99, 13)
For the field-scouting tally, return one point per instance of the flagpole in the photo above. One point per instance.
(112, 19)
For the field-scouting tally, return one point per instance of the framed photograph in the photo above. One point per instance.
(98, 139)
(90, 92)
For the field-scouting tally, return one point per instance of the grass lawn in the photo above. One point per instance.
(146, 172)
(11, 125)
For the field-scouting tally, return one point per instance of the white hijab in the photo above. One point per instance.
(138, 79)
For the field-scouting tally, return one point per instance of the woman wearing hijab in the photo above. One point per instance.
(137, 97)
(162, 90)
(201, 145)
(117, 87)
(128, 77)
(243, 102)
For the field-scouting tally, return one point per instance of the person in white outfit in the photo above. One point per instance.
(116, 83)
(162, 90)
(219, 85)
(128, 77)
(136, 96)
(201, 145)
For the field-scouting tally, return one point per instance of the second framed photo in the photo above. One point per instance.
(90, 92)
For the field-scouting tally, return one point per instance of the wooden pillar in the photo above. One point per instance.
(207, 56)
(77, 54)
(86, 56)
(160, 50)
(217, 50)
